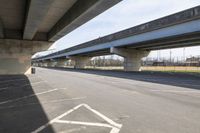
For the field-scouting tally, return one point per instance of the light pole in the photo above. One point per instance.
(184, 54)
(170, 57)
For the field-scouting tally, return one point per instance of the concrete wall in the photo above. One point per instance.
(15, 55)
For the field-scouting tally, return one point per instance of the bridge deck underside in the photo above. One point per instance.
(162, 43)
(178, 30)
(169, 42)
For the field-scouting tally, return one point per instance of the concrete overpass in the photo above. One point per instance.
(29, 26)
(177, 30)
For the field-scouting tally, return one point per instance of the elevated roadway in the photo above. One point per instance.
(29, 26)
(177, 30)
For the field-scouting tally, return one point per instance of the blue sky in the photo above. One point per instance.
(126, 14)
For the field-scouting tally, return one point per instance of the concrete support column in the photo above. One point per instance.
(40, 64)
(80, 62)
(44, 63)
(15, 55)
(61, 62)
(50, 63)
(132, 57)
(36, 64)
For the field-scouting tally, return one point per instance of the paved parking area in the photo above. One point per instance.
(83, 101)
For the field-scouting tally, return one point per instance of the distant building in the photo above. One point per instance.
(193, 61)
(147, 63)
(159, 63)
(153, 63)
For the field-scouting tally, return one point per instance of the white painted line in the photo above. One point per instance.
(4, 88)
(12, 80)
(115, 130)
(115, 127)
(42, 103)
(36, 94)
(32, 84)
(68, 112)
(103, 117)
(57, 118)
(84, 123)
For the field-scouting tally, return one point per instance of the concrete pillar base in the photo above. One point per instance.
(45, 63)
(15, 55)
(80, 62)
(60, 62)
(49, 63)
(132, 57)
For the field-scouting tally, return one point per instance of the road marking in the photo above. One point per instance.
(103, 116)
(31, 84)
(4, 88)
(42, 103)
(83, 123)
(12, 80)
(57, 118)
(36, 94)
(34, 83)
(115, 127)
(115, 130)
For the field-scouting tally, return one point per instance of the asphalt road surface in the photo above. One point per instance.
(91, 101)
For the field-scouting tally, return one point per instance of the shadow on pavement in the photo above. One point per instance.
(174, 79)
(14, 116)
